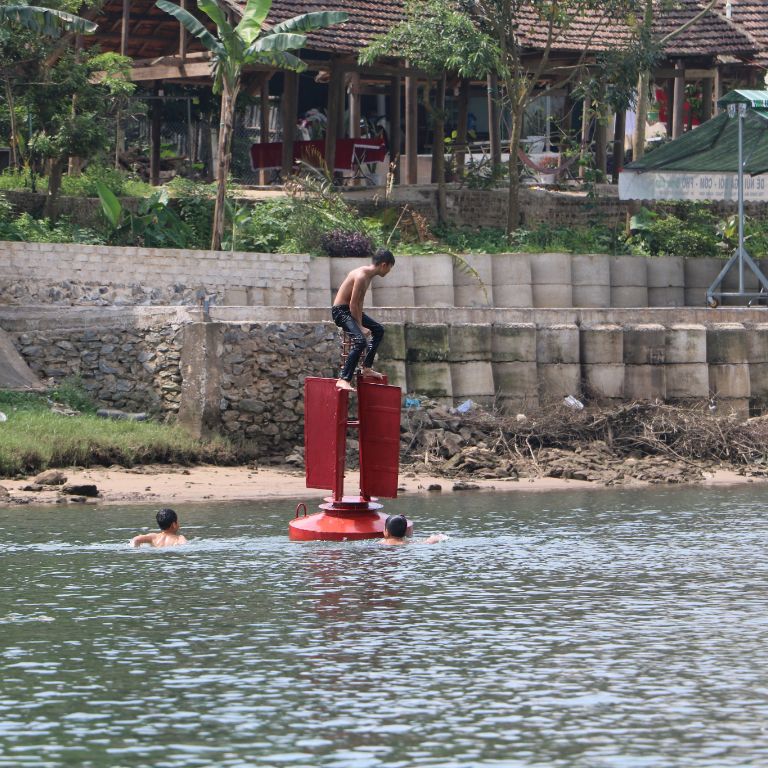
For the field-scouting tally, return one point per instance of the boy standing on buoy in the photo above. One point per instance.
(347, 313)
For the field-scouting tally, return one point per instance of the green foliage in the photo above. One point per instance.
(120, 183)
(437, 36)
(591, 239)
(193, 201)
(72, 393)
(25, 228)
(682, 230)
(154, 225)
(35, 438)
(22, 179)
(755, 234)
(45, 21)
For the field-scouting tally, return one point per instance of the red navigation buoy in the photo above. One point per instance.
(326, 423)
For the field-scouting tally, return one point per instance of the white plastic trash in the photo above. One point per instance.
(572, 402)
(3, 417)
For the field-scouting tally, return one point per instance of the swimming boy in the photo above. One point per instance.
(347, 313)
(396, 528)
(167, 536)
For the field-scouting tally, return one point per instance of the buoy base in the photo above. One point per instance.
(350, 518)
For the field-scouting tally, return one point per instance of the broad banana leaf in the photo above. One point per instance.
(310, 21)
(46, 21)
(277, 43)
(110, 204)
(278, 59)
(193, 26)
(217, 15)
(254, 15)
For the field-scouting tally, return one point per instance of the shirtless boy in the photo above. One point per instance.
(396, 530)
(347, 313)
(167, 536)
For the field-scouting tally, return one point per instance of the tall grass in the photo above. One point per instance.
(34, 438)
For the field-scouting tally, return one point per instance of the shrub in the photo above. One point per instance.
(71, 392)
(340, 242)
(690, 231)
(193, 201)
(119, 182)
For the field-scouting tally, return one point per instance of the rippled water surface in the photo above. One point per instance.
(580, 630)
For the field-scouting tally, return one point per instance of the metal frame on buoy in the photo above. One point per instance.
(326, 423)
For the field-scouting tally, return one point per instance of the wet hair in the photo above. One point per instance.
(166, 518)
(383, 256)
(396, 525)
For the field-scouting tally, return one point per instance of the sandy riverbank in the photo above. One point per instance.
(166, 485)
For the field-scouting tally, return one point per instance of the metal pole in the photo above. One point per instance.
(741, 110)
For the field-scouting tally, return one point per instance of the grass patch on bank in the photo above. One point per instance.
(34, 438)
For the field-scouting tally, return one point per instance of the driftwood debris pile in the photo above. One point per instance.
(611, 445)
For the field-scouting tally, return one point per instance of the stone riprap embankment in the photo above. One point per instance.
(241, 373)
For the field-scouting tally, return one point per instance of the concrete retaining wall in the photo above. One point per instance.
(82, 275)
(242, 373)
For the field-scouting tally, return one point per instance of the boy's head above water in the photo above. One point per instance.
(166, 518)
(396, 526)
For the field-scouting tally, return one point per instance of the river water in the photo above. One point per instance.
(583, 630)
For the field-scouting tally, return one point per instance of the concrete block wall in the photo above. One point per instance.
(66, 273)
(71, 275)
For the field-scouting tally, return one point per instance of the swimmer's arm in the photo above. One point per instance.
(435, 538)
(144, 538)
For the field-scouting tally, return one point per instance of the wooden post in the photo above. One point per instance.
(411, 130)
(601, 146)
(264, 120)
(354, 105)
(335, 87)
(619, 134)
(154, 149)
(706, 99)
(717, 86)
(183, 34)
(585, 108)
(289, 106)
(461, 129)
(438, 132)
(124, 28)
(494, 133)
(679, 98)
(395, 134)
(670, 88)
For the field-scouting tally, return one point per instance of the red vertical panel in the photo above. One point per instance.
(325, 434)
(379, 415)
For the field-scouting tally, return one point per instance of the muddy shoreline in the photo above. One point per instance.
(165, 485)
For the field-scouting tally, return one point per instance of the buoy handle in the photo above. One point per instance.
(299, 507)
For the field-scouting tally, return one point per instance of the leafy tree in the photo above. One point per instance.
(437, 37)
(66, 100)
(235, 47)
(25, 31)
(511, 23)
(68, 109)
(649, 51)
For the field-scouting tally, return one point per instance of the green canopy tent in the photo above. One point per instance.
(725, 158)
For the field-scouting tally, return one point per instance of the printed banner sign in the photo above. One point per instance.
(678, 185)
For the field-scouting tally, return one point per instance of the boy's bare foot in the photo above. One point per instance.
(369, 373)
(344, 385)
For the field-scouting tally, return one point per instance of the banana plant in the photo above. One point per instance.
(45, 21)
(235, 47)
